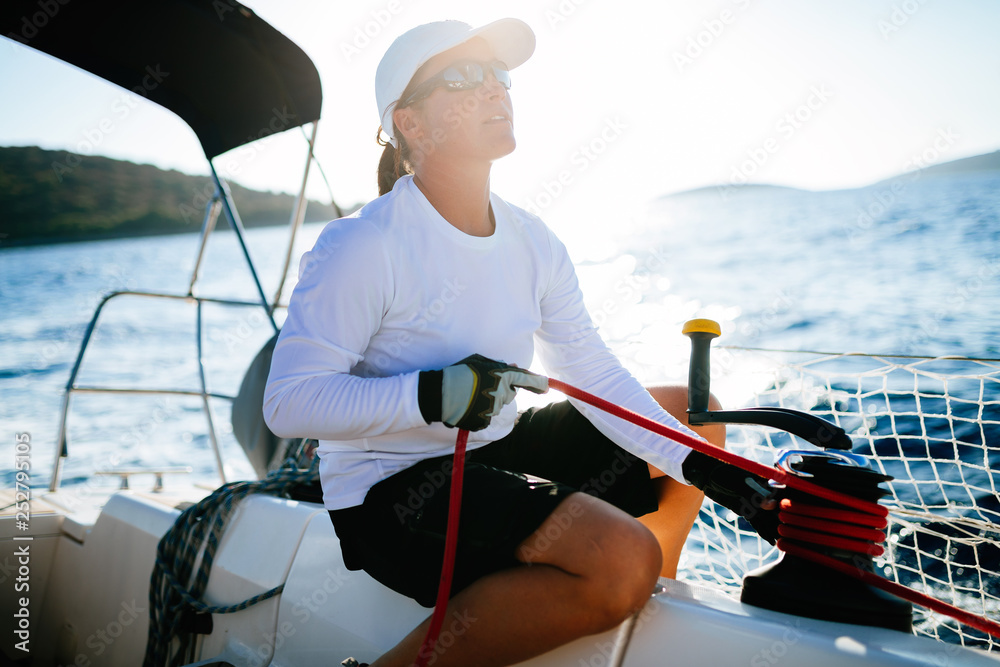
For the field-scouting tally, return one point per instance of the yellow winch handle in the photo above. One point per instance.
(701, 332)
(702, 326)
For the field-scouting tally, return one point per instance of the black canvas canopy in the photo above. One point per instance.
(231, 76)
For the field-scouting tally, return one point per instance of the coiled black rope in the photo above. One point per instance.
(174, 594)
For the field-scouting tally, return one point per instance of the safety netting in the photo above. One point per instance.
(933, 424)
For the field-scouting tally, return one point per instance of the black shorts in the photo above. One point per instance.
(510, 487)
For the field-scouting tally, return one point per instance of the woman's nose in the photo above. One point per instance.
(493, 86)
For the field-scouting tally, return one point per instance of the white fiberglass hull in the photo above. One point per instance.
(327, 613)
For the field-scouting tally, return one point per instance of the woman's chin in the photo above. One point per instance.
(505, 147)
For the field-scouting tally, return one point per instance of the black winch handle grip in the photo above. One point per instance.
(701, 332)
(807, 426)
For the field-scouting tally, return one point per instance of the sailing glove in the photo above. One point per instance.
(473, 391)
(735, 489)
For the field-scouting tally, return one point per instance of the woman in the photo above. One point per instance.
(415, 315)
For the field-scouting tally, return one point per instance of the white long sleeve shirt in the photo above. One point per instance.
(396, 289)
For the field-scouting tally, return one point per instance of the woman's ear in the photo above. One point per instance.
(408, 124)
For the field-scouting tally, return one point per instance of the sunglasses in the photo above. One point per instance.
(464, 75)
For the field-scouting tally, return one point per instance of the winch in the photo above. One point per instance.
(794, 584)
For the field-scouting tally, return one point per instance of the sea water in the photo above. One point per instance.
(909, 267)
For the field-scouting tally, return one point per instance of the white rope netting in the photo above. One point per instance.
(933, 424)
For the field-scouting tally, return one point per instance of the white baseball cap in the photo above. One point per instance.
(511, 40)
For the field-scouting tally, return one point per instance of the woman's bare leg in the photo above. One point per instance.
(679, 503)
(587, 568)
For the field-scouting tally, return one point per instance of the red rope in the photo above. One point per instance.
(450, 546)
(869, 511)
(832, 528)
(834, 541)
(978, 622)
(791, 508)
(704, 447)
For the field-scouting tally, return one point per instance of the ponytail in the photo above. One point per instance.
(393, 164)
(387, 172)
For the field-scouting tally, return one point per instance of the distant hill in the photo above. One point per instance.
(749, 187)
(987, 162)
(55, 196)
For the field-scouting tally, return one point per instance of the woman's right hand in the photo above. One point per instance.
(473, 391)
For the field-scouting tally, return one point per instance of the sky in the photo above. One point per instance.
(623, 101)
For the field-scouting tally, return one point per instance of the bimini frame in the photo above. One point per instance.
(230, 77)
(221, 200)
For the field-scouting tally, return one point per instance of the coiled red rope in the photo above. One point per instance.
(840, 529)
(857, 531)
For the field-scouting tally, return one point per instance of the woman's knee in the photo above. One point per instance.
(616, 558)
(634, 571)
(624, 584)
